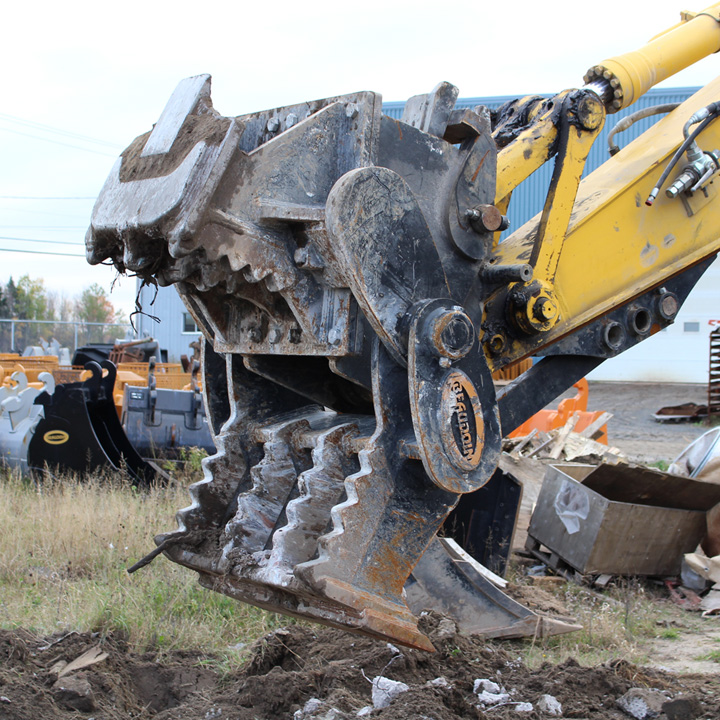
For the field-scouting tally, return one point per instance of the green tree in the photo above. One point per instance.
(10, 299)
(31, 302)
(94, 306)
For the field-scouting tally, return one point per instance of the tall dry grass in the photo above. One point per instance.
(620, 622)
(65, 545)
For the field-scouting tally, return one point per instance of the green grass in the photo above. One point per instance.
(66, 545)
(64, 551)
(713, 656)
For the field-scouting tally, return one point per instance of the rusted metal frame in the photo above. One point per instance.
(574, 143)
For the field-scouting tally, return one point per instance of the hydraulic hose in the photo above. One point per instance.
(713, 112)
(630, 120)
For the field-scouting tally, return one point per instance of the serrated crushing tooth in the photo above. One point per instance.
(320, 488)
(274, 480)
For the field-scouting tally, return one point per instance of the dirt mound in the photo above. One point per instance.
(303, 673)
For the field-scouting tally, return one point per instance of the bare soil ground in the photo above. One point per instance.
(293, 666)
(289, 669)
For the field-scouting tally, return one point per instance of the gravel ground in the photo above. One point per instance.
(633, 429)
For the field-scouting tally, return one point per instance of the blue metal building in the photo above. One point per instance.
(678, 354)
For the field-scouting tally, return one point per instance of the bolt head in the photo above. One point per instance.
(668, 306)
(452, 334)
(590, 112)
(497, 343)
(485, 218)
(544, 309)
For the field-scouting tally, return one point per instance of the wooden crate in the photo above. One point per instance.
(620, 520)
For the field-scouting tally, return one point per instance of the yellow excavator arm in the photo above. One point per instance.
(347, 273)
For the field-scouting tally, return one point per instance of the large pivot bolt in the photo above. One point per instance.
(487, 218)
(535, 307)
(452, 333)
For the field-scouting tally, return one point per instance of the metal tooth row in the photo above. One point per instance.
(320, 489)
(306, 458)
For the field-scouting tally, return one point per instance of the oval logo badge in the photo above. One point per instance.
(463, 429)
(56, 437)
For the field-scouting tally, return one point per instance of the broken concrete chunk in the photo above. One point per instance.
(315, 709)
(446, 630)
(549, 705)
(440, 682)
(523, 707)
(74, 693)
(484, 685)
(384, 691)
(310, 707)
(486, 699)
(642, 704)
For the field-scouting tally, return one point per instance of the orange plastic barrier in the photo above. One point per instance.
(547, 420)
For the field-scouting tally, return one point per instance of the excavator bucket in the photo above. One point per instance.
(331, 257)
(79, 430)
(164, 419)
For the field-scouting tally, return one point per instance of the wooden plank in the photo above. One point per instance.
(595, 426)
(562, 436)
(524, 442)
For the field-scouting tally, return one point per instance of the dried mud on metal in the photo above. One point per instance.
(302, 673)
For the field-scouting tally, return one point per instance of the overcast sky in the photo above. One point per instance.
(82, 79)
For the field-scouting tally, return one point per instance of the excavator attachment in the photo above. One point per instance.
(345, 270)
(79, 429)
(69, 426)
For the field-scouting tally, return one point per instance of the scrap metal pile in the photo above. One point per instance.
(346, 271)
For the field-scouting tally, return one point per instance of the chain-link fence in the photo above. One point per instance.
(16, 335)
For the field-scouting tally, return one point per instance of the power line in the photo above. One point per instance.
(44, 227)
(58, 142)
(33, 240)
(79, 216)
(57, 131)
(40, 252)
(48, 197)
